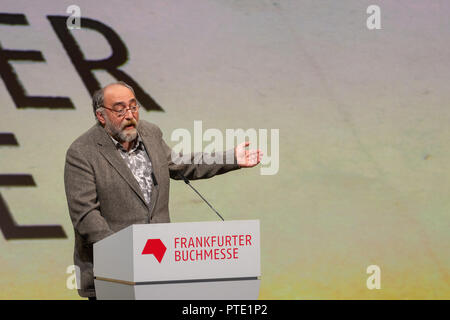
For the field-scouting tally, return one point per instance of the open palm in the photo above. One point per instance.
(247, 158)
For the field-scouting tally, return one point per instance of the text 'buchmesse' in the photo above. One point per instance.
(210, 247)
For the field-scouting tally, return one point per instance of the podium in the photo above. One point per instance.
(180, 261)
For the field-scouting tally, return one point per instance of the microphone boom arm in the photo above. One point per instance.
(186, 180)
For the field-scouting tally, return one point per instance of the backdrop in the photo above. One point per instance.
(363, 117)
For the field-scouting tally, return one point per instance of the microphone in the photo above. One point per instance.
(186, 180)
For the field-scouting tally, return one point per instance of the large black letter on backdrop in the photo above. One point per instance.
(85, 67)
(10, 229)
(9, 76)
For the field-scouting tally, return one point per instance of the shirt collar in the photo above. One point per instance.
(138, 144)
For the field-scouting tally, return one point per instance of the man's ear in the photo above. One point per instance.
(100, 117)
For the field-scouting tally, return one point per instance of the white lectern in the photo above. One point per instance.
(196, 260)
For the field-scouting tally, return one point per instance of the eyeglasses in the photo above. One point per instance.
(123, 110)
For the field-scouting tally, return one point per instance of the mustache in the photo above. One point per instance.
(126, 124)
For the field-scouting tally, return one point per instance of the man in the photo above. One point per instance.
(117, 174)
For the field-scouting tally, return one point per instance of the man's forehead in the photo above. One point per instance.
(117, 92)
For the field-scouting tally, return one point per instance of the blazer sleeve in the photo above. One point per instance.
(199, 165)
(79, 182)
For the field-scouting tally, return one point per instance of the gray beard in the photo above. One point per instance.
(118, 134)
(127, 136)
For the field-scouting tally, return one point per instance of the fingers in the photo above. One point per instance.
(253, 157)
(244, 144)
(258, 152)
(249, 158)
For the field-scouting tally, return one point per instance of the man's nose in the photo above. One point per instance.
(129, 114)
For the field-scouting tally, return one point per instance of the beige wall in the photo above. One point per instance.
(364, 128)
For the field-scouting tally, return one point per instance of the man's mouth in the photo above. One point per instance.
(128, 127)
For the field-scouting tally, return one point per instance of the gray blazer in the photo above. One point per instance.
(104, 197)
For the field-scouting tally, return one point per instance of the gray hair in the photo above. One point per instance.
(98, 97)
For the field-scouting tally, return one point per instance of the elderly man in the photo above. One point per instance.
(117, 174)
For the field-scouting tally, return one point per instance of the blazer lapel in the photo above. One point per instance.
(109, 151)
(149, 143)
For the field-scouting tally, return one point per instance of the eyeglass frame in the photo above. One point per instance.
(124, 110)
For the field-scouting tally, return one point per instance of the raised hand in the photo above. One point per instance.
(247, 158)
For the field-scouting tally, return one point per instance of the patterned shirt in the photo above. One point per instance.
(140, 165)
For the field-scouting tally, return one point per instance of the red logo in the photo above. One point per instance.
(155, 247)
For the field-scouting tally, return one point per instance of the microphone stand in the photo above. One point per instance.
(186, 180)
